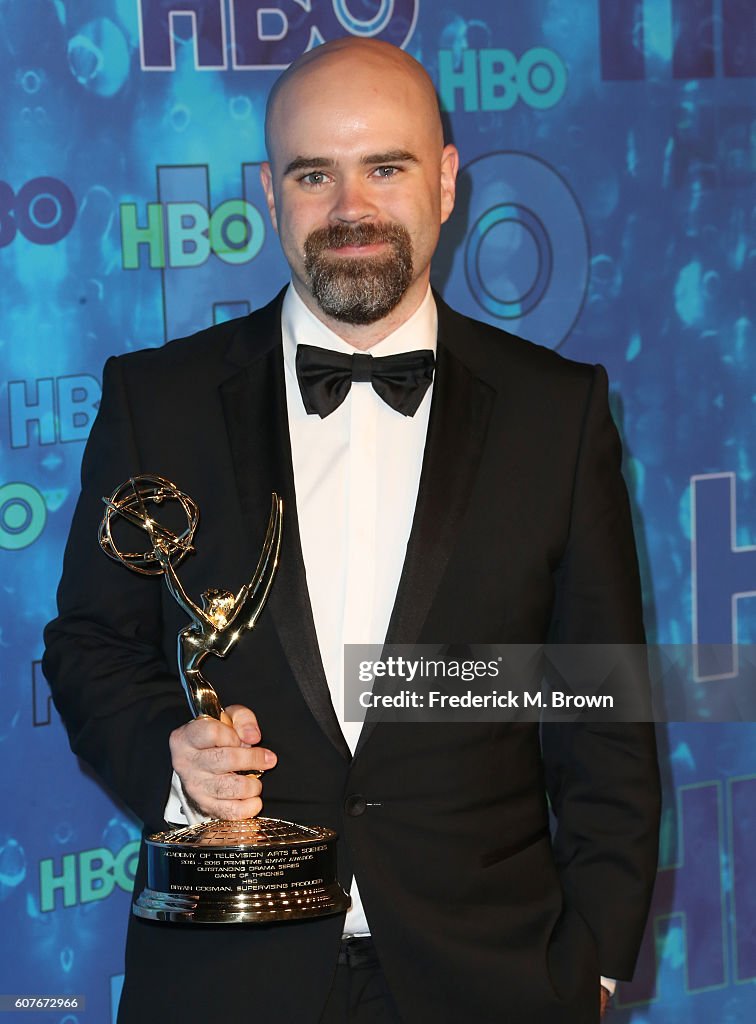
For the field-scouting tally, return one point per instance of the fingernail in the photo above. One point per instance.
(251, 735)
(270, 757)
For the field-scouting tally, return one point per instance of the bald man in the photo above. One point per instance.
(476, 497)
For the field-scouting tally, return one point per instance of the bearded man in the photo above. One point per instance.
(471, 493)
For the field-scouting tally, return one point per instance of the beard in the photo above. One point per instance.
(358, 289)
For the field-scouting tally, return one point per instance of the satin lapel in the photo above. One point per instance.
(254, 405)
(460, 411)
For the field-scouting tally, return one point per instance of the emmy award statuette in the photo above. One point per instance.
(217, 872)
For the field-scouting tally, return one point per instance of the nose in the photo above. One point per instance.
(352, 201)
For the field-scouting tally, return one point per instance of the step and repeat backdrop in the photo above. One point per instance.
(606, 210)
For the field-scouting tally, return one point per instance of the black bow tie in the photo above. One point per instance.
(325, 378)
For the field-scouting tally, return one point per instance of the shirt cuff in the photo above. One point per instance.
(177, 810)
(610, 984)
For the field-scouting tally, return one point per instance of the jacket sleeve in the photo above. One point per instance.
(104, 660)
(602, 777)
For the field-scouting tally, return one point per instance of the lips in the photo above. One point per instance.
(351, 248)
(362, 240)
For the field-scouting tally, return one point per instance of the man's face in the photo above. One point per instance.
(359, 185)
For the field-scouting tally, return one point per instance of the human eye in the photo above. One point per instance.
(386, 171)
(314, 179)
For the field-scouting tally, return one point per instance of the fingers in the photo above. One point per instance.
(207, 754)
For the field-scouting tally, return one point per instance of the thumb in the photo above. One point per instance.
(244, 722)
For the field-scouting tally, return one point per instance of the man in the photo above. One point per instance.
(489, 508)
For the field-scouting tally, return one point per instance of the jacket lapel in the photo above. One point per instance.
(460, 412)
(254, 406)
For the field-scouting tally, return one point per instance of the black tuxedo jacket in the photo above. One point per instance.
(521, 532)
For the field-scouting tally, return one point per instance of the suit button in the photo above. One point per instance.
(355, 805)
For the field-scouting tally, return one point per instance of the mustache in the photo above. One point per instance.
(337, 235)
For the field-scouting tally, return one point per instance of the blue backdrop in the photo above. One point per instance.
(606, 209)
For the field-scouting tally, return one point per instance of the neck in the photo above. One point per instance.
(365, 336)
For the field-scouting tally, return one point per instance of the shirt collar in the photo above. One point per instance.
(300, 326)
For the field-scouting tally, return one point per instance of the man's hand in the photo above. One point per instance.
(206, 756)
(605, 997)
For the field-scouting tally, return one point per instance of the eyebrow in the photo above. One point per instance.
(392, 156)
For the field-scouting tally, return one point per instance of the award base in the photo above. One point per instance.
(241, 872)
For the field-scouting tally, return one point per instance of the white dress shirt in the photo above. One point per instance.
(356, 475)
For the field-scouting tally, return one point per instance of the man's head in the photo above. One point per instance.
(359, 180)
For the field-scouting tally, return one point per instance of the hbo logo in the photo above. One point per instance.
(43, 211)
(496, 79)
(87, 876)
(185, 234)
